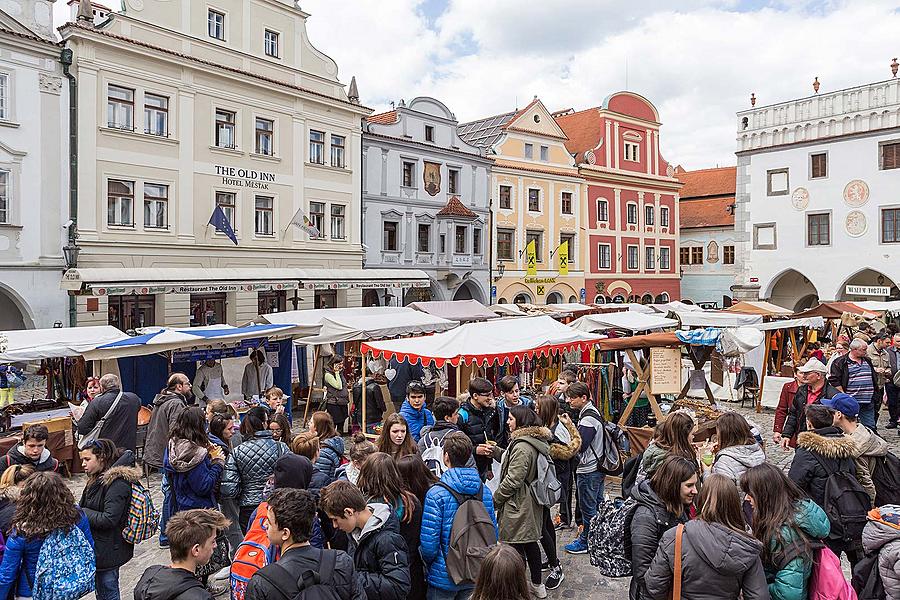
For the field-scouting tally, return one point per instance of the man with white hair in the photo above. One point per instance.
(855, 375)
(120, 423)
(814, 388)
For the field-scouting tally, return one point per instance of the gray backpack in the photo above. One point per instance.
(472, 536)
(546, 487)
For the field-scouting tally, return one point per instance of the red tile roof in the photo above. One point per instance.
(711, 212)
(385, 118)
(708, 182)
(584, 130)
(455, 208)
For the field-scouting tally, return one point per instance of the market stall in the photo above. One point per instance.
(461, 311)
(759, 307)
(633, 322)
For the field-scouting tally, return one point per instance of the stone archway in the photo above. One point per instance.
(867, 284)
(522, 298)
(554, 298)
(11, 316)
(791, 288)
(469, 290)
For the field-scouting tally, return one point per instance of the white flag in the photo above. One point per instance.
(302, 222)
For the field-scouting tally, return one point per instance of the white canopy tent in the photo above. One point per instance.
(675, 306)
(37, 344)
(891, 306)
(812, 322)
(632, 321)
(718, 319)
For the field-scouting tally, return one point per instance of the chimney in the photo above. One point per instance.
(36, 15)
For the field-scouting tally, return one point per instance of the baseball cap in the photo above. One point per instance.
(843, 403)
(813, 364)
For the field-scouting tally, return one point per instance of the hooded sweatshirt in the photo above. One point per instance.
(717, 564)
(380, 555)
(869, 447)
(733, 461)
(165, 583)
(17, 456)
(193, 476)
(882, 535)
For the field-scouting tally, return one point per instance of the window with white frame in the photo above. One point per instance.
(265, 136)
(271, 43)
(317, 217)
(476, 240)
(664, 258)
(227, 201)
(505, 244)
(409, 173)
(632, 151)
(338, 215)
(423, 243)
(602, 210)
(4, 96)
(506, 196)
(649, 214)
(460, 239)
(663, 216)
(429, 133)
(120, 107)
(631, 214)
(156, 115)
(215, 22)
(156, 206)
(569, 238)
(604, 256)
(534, 200)
(632, 254)
(649, 258)
(389, 237)
(529, 150)
(337, 151)
(452, 181)
(264, 215)
(120, 202)
(566, 203)
(5, 197)
(225, 120)
(545, 153)
(538, 238)
(316, 147)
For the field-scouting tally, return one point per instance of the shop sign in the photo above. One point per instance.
(583, 295)
(210, 288)
(248, 178)
(540, 280)
(363, 285)
(665, 370)
(868, 290)
(241, 349)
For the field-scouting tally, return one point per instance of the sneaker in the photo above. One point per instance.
(538, 591)
(559, 525)
(163, 544)
(555, 578)
(579, 546)
(891, 426)
(545, 566)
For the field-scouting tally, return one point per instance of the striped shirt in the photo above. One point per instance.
(860, 385)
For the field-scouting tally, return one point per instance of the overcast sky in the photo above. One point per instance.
(698, 64)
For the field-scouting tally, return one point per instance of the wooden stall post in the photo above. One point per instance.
(364, 386)
(765, 370)
(312, 384)
(642, 370)
(458, 376)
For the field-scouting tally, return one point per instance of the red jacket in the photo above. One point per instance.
(784, 403)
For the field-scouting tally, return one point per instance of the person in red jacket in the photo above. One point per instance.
(784, 403)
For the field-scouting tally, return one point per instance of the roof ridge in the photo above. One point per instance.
(578, 112)
(707, 169)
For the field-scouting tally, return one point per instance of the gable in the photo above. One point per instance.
(536, 119)
(11, 24)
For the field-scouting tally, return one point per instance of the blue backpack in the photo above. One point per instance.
(65, 566)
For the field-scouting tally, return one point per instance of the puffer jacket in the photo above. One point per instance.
(869, 448)
(330, 455)
(790, 583)
(106, 502)
(437, 521)
(717, 563)
(732, 462)
(520, 516)
(193, 476)
(166, 408)
(380, 555)
(643, 531)
(827, 446)
(416, 419)
(249, 467)
(884, 538)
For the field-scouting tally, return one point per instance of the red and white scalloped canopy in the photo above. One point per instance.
(502, 340)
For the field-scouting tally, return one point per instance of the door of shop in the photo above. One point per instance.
(207, 309)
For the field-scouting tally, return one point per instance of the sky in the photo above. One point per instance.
(698, 63)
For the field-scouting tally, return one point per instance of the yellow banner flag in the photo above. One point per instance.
(530, 259)
(563, 254)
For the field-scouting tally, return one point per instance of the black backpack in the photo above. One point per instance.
(846, 503)
(886, 477)
(311, 585)
(866, 579)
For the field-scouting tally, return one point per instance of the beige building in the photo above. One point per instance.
(186, 107)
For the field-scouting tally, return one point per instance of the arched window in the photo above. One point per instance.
(554, 298)
(522, 299)
(647, 299)
(599, 299)
(573, 300)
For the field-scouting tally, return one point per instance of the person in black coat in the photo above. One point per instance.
(814, 389)
(121, 426)
(106, 500)
(476, 421)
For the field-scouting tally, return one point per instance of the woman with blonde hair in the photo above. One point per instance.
(11, 483)
(360, 449)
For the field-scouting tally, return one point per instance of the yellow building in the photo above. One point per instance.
(536, 196)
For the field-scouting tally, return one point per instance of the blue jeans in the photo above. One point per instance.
(106, 583)
(463, 593)
(590, 493)
(166, 508)
(867, 415)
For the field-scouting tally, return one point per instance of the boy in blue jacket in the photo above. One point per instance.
(440, 509)
(414, 411)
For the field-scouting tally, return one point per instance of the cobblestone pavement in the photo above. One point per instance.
(582, 580)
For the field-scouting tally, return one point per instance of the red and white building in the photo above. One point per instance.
(631, 201)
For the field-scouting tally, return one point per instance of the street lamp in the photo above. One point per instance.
(501, 269)
(70, 253)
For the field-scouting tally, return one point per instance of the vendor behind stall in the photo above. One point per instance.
(258, 376)
(209, 382)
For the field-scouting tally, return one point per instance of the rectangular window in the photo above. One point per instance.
(5, 212)
(316, 147)
(505, 244)
(890, 225)
(429, 133)
(120, 202)
(650, 258)
(265, 137)
(777, 182)
(696, 255)
(534, 200)
(505, 196)
(317, 217)
(131, 311)
(156, 115)
(684, 255)
(225, 128)
(663, 216)
(570, 238)
(443, 238)
(227, 201)
(538, 237)
(890, 155)
(664, 259)
(337, 151)
(649, 214)
(156, 206)
(566, 203)
(337, 221)
(765, 236)
(602, 210)
(529, 150)
(4, 96)
(728, 255)
(632, 152)
(216, 24)
(120, 107)
(274, 301)
(818, 166)
(409, 173)
(545, 153)
(460, 245)
(476, 241)
(389, 241)
(452, 181)
(423, 237)
(818, 229)
(632, 252)
(604, 256)
(265, 215)
(631, 214)
(271, 43)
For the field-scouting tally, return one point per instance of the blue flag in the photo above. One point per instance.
(220, 222)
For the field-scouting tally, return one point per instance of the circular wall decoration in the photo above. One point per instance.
(800, 198)
(855, 223)
(856, 193)
(590, 157)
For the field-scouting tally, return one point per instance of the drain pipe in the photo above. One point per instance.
(65, 59)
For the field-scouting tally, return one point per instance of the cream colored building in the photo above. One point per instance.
(188, 106)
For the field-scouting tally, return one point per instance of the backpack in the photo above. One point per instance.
(615, 446)
(629, 473)
(606, 540)
(866, 579)
(472, 535)
(827, 581)
(65, 566)
(143, 518)
(253, 553)
(546, 488)
(310, 586)
(886, 477)
(433, 455)
(846, 503)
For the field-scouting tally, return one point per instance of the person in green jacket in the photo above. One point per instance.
(782, 516)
